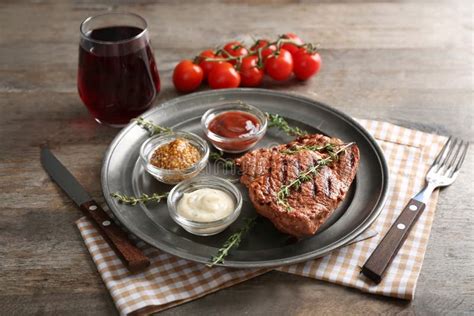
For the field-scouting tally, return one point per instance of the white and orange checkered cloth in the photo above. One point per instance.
(171, 281)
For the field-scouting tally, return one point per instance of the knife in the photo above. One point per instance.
(131, 256)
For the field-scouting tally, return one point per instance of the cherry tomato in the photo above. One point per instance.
(187, 76)
(291, 47)
(265, 52)
(279, 66)
(250, 74)
(206, 66)
(235, 49)
(223, 76)
(305, 64)
(258, 44)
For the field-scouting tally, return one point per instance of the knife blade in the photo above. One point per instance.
(133, 258)
(63, 177)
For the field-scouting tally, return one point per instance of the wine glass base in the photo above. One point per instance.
(111, 125)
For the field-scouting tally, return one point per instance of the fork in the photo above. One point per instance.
(442, 173)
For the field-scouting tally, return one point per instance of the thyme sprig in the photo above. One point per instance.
(297, 148)
(151, 127)
(232, 242)
(219, 157)
(307, 175)
(144, 198)
(276, 120)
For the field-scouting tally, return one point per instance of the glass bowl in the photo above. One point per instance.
(173, 176)
(201, 182)
(235, 144)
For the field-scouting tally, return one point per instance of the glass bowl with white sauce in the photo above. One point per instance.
(204, 205)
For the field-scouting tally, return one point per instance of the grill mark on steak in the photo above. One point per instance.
(327, 184)
(253, 167)
(314, 201)
(260, 164)
(314, 188)
(284, 173)
(314, 181)
(306, 163)
(352, 160)
(297, 168)
(268, 185)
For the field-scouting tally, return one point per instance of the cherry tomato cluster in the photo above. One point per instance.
(235, 65)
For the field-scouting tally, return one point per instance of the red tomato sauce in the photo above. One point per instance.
(235, 124)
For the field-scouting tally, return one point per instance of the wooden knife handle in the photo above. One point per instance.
(132, 257)
(380, 260)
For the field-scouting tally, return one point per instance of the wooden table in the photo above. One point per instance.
(410, 63)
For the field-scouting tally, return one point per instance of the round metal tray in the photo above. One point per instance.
(263, 246)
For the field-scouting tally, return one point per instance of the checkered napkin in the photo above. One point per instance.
(172, 281)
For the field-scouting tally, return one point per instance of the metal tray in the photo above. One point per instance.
(264, 246)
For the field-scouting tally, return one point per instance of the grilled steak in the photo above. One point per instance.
(266, 170)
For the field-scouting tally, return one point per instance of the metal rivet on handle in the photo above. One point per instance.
(413, 207)
(105, 223)
(401, 226)
(92, 208)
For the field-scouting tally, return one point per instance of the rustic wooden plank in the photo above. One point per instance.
(347, 69)
(335, 25)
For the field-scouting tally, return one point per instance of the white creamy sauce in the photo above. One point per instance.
(205, 205)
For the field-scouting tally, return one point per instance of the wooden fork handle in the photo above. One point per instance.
(133, 258)
(380, 260)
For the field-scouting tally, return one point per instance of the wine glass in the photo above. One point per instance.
(117, 75)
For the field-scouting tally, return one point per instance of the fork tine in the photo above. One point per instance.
(458, 150)
(448, 160)
(442, 153)
(461, 159)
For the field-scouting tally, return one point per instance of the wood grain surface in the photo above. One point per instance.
(407, 62)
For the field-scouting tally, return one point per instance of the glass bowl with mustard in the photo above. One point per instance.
(174, 157)
(205, 205)
(234, 127)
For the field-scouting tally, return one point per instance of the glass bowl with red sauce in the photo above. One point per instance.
(234, 127)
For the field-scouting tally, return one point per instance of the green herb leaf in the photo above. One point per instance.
(330, 148)
(232, 242)
(275, 120)
(151, 127)
(219, 157)
(144, 198)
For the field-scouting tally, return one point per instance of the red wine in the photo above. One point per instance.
(117, 76)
